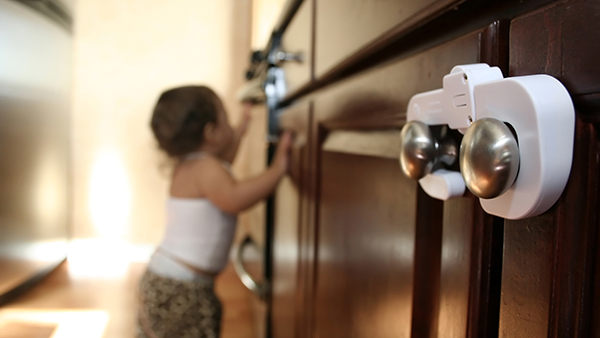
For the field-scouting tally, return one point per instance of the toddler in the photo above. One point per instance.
(176, 291)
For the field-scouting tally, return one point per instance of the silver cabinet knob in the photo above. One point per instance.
(489, 158)
(420, 151)
(417, 150)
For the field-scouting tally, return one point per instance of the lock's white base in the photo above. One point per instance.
(540, 110)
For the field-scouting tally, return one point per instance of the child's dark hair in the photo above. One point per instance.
(180, 116)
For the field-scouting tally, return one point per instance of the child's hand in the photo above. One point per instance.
(281, 159)
(245, 121)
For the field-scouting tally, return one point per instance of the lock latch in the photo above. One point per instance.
(517, 148)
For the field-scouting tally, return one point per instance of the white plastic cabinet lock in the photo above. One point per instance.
(517, 150)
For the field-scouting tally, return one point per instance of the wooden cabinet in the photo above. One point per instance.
(297, 40)
(550, 277)
(362, 251)
(288, 219)
(343, 27)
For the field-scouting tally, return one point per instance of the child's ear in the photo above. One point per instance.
(210, 132)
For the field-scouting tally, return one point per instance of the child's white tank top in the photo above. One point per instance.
(198, 232)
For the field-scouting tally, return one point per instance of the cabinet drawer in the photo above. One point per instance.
(378, 99)
(297, 39)
(345, 26)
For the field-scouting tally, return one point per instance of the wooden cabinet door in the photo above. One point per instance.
(371, 255)
(550, 285)
(391, 261)
(287, 296)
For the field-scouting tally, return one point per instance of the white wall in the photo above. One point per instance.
(126, 52)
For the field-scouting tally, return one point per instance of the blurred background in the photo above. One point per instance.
(125, 53)
(78, 82)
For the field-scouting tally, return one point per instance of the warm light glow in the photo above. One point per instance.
(110, 195)
(69, 324)
(264, 17)
(49, 190)
(43, 251)
(104, 258)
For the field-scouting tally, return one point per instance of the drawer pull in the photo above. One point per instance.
(293, 57)
(261, 290)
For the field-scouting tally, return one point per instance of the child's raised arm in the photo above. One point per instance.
(238, 132)
(232, 196)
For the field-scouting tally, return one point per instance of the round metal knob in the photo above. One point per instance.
(489, 158)
(417, 150)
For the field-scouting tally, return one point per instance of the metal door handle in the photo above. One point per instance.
(261, 290)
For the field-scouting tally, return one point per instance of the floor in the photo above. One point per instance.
(68, 305)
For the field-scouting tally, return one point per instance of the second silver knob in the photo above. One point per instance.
(489, 158)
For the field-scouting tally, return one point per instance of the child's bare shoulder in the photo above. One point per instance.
(207, 166)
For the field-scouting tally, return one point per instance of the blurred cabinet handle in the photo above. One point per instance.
(295, 57)
(261, 290)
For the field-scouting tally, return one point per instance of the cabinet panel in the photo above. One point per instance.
(378, 99)
(343, 27)
(285, 259)
(365, 248)
(562, 40)
(455, 267)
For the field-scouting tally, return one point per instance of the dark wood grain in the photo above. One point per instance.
(443, 284)
(469, 274)
(438, 26)
(487, 245)
(378, 99)
(527, 277)
(595, 315)
(494, 48)
(562, 40)
(313, 187)
(548, 285)
(366, 248)
(575, 241)
(549, 260)
(455, 266)
(426, 287)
